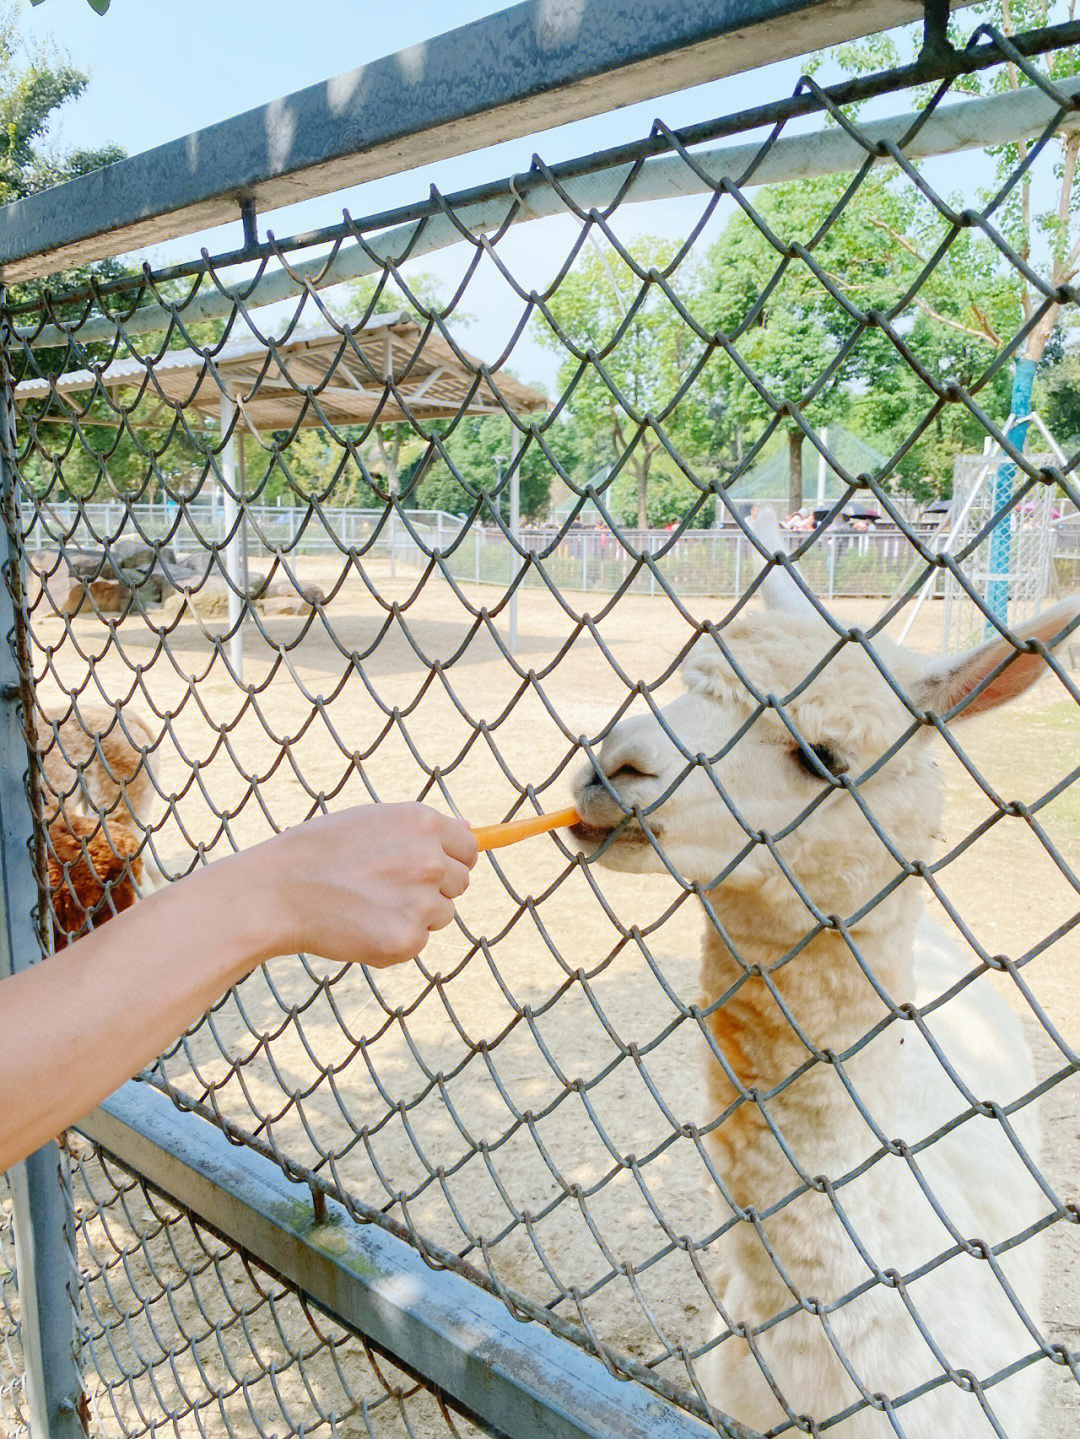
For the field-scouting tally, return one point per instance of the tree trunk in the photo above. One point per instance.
(642, 499)
(390, 461)
(795, 481)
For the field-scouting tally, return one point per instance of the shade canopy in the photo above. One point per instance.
(388, 370)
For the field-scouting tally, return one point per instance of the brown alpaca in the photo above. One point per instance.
(94, 873)
(97, 759)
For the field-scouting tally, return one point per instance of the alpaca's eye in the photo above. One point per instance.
(827, 758)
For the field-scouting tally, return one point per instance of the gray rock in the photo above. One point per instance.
(187, 577)
(149, 588)
(285, 589)
(88, 564)
(134, 553)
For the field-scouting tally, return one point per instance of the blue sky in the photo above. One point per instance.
(160, 69)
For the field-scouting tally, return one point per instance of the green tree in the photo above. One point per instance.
(790, 322)
(480, 454)
(671, 498)
(1058, 394)
(36, 80)
(1046, 239)
(779, 316)
(880, 246)
(1046, 236)
(647, 351)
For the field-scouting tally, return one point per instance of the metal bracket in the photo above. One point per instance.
(249, 217)
(515, 1378)
(936, 46)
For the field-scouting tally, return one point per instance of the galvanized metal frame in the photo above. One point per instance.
(534, 65)
(515, 1379)
(43, 1259)
(952, 129)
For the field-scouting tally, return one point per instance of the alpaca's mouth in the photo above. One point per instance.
(596, 834)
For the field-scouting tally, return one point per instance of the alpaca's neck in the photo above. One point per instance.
(823, 986)
(823, 989)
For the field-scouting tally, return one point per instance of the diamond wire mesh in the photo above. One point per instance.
(11, 1360)
(526, 1098)
(173, 1321)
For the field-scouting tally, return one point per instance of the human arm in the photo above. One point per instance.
(367, 885)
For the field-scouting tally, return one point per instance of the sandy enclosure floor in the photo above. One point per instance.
(483, 1096)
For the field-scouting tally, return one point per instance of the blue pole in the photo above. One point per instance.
(997, 589)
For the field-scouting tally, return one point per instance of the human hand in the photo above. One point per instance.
(367, 885)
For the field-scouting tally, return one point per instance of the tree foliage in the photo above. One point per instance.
(979, 298)
(35, 81)
(480, 453)
(637, 358)
(796, 321)
(847, 304)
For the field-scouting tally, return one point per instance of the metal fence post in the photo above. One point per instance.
(233, 521)
(43, 1259)
(515, 529)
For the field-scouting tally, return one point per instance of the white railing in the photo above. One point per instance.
(699, 562)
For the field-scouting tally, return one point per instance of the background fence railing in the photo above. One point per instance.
(720, 561)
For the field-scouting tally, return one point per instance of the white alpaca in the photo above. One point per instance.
(774, 1001)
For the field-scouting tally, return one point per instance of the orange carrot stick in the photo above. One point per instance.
(495, 836)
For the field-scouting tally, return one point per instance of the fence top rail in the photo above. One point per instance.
(512, 1375)
(531, 66)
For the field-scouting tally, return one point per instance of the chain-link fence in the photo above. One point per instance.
(10, 1345)
(175, 1320)
(815, 1171)
(586, 558)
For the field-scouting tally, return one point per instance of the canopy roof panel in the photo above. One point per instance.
(390, 369)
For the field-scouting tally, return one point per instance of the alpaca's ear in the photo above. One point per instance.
(778, 589)
(948, 683)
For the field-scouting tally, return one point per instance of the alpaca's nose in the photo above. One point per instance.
(606, 786)
(603, 773)
(629, 770)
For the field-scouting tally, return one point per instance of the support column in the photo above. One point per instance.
(234, 566)
(515, 528)
(43, 1260)
(822, 473)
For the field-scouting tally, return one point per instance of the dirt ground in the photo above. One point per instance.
(483, 1096)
